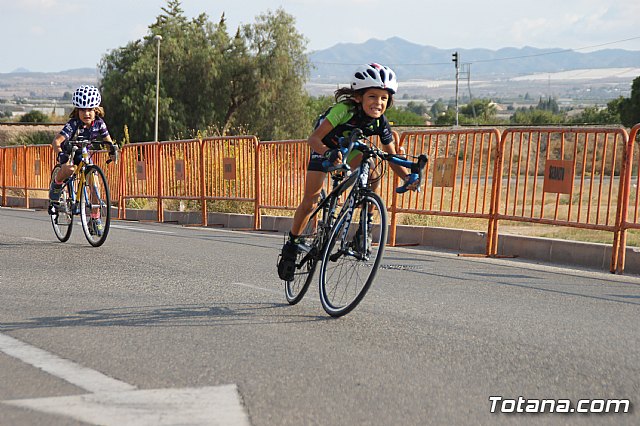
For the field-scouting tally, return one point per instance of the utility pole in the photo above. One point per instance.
(157, 38)
(466, 73)
(456, 60)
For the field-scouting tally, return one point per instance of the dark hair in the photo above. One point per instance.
(347, 94)
(76, 114)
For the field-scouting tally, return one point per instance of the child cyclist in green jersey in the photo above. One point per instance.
(85, 123)
(362, 106)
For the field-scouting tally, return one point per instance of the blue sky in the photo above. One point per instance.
(56, 35)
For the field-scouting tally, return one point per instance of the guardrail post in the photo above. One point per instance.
(257, 218)
(620, 236)
(122, 189)
(158, 158)
(203, 198)
(4, 176)
(26, 177)
(492, 229)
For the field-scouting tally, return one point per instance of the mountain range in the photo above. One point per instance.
(429, 67)
(414, 61)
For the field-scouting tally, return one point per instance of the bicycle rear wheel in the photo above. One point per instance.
(62, 219)
(95, 206)
(350, 260)
(307, 259)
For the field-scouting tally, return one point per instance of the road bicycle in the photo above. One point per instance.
(347, 240)
(85, 193)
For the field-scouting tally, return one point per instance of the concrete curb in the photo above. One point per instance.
(547, 250)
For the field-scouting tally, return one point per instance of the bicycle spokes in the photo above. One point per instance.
(350, 261)
(95, 202)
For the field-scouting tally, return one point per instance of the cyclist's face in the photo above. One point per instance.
(87, 115)
(374, 102)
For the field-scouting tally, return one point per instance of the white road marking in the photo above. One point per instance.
(215, 405)
(85, 378)
(132, 228)
(269, 290)
(40, 240)
(114, 402)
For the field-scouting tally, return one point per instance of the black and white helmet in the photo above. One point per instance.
(376, 76)
(86, 97)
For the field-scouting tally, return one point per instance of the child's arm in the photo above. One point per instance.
(57, 143)
(315, 140)
(402, 172)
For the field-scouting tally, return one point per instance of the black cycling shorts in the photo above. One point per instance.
(315, 162)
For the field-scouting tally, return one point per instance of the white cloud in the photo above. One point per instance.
(37, 30)
(42, 24)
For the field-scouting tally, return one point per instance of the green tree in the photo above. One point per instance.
(629, 108)
(438, 108)
(536, 116)
(34, 116)
(549, 104)
(482, 111)
(403, 117)
(318, 105)
(595, 115)
(278, 105)
(210, 82)
(417, 108)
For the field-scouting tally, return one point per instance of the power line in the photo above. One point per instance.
(555, 52)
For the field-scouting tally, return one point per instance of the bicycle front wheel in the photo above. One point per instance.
(307, 260)
(62, 219)
(352, 256)
(95, 206)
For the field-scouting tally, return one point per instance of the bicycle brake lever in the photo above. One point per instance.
(417, 175)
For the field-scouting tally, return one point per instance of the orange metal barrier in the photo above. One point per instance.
(282, 173)
(139, 173)
(3, 170)
(220, 168)
(230, 171)
(179, 163)
(27, 168)
(459, 173)
(561, 176)
(629, 216)
(582, 177)
(15, 172)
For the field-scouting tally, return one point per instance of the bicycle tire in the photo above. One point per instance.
(348, 271)
(307, 260)
(95, 174)
(62, 219)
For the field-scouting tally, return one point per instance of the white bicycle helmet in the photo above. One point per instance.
(376, 76)
(86, 97)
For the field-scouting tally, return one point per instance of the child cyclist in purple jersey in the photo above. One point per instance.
(85, 123)
(362, 106)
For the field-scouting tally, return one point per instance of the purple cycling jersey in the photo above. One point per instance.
(76, 127)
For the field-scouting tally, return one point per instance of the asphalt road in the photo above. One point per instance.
(193, 321)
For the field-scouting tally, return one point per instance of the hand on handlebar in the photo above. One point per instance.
(335, 160)
(334, 156)
(63, 157)
(413, 181)
(66, 147)
(114, 153)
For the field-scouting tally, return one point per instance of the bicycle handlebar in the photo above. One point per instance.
(84, 143)
(355, 142)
